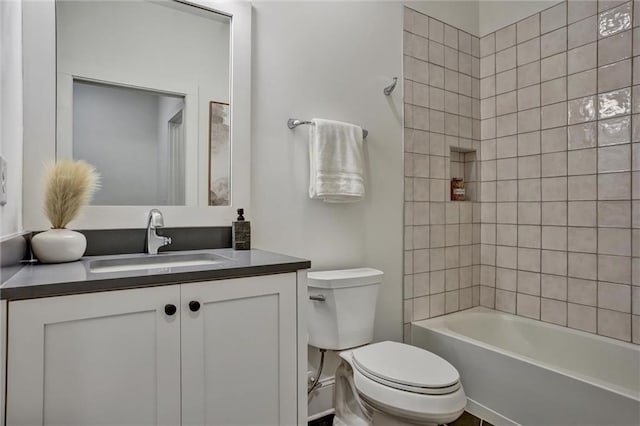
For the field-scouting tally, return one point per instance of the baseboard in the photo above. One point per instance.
(488, 414)
(321, 399)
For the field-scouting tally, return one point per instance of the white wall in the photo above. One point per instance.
(116, 130)
(11, 113)
(331, 60)
(494, 15)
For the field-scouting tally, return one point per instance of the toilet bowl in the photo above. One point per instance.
(385, 383)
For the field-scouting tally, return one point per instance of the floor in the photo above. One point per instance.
(468, 419)
(322, 421)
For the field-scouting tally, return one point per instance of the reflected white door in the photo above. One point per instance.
(176, 159)
(239, 351)
(109, 358)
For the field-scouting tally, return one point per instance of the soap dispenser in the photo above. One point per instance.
(241, 233)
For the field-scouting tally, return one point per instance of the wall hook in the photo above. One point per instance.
(389, 89)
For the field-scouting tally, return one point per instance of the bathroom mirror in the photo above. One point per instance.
(148, 126)
(135, 80)
(48, 102)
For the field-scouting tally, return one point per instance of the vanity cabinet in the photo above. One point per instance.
(239, 352)
(207, 353)
(99, 358)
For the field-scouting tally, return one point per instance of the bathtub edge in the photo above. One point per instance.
(488, 414)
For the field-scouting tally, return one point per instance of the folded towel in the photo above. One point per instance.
(336, 162)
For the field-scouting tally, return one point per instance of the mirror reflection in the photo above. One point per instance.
(136, 80)
(148, 127)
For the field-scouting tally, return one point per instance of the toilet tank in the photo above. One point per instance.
(344, 319)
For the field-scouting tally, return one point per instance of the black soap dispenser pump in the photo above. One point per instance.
(241, 233)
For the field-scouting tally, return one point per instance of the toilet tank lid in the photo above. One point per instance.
(344, 278)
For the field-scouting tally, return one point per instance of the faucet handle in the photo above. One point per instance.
(155, 218)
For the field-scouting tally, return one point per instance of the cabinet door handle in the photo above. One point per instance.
(170, 309)
(194, 306)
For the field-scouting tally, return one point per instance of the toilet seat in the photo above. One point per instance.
(416, 407)
(406, 388)
(406, 368)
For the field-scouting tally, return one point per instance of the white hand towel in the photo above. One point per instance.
(336, 162)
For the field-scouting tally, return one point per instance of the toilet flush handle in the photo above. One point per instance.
(318, 297)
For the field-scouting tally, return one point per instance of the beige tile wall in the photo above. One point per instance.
(442, 112)
(556, 102)
(558, 218)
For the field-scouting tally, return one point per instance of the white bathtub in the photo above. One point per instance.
(517, 370)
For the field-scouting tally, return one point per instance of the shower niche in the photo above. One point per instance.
(463, 175)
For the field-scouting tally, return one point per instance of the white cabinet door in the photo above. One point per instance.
(109, 358)
(3, 357)
(239, 352)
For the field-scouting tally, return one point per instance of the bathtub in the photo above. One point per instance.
(519, 371)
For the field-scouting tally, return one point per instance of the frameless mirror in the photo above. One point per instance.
(143, 93)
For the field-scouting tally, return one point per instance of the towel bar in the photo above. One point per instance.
(292, 123)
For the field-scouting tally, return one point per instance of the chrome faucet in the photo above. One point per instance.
(155, 241)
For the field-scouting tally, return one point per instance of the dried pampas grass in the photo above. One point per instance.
(69, 187)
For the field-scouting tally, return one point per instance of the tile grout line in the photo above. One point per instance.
(597, 152)
(566, 204)
(495, 166)
(540, 168)
(631, 142)
(517, 172)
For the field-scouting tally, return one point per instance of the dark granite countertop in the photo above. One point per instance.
(43, 280)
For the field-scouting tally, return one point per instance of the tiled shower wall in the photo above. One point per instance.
(559, 216)
(442, 112)
(557, 201)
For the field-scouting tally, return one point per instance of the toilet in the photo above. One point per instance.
(385, 383)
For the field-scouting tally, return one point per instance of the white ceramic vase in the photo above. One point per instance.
(58, 245)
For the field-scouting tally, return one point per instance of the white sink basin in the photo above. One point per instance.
(158, 261)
